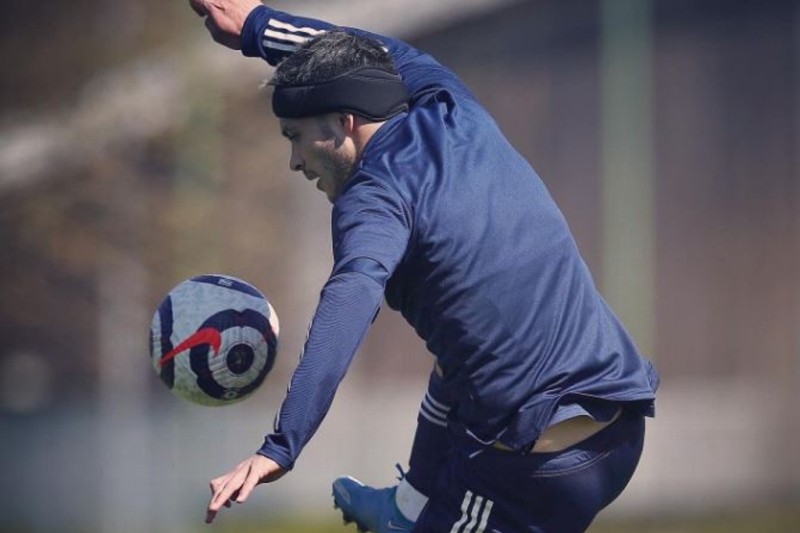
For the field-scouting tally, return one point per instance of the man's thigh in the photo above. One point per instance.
(562, 492)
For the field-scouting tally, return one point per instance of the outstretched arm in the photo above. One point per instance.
(348, 304)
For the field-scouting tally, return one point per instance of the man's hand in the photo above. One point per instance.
(225, 18)
(239, 483)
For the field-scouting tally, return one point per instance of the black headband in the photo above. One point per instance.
(371, 92)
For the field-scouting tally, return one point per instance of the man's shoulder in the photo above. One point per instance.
(439, 113)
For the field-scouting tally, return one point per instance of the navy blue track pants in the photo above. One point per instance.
(492, 491)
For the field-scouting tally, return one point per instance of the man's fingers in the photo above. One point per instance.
(198, 7)
(216, 33)
(223, 489)
(221, 37)
(224, 494)
(212, 28)
(237, 485)
(224, 22)
(249, 484)
(217, 483)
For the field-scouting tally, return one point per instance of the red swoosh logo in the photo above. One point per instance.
(201, 336)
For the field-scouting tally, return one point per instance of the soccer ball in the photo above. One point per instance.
(213, 339)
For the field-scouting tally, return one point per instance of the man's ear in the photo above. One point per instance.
(346, 121)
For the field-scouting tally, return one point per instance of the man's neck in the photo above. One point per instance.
(363, 132)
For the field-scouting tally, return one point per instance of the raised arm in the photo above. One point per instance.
(260, 31)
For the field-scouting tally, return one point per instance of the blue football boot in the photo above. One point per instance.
(371, 509)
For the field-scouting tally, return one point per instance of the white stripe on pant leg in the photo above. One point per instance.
(487, 509)
(436, 403)
(436, 421)
(473, 515)
(471, 508)
(464, 513)
(428, 404)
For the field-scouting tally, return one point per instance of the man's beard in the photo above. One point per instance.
(339, 167)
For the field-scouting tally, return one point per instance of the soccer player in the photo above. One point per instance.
(534, 415)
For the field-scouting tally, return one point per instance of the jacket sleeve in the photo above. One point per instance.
(370, 233)
(348, 304)
(273, 35)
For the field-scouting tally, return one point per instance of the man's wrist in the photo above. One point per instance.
(276, 453)
(253, 31)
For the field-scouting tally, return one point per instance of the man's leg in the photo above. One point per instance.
(558, 492)
(371, 509)
(396, 508)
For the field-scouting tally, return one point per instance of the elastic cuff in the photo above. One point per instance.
(270, 452)
(409, 500)
(253, 31)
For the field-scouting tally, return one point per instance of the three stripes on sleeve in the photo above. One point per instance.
(286, 37)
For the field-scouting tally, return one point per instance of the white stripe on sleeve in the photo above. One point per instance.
(300, 39)
(294, 29)
(280, 46)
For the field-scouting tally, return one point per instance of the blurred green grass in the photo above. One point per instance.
(785, 519)
(747, 519)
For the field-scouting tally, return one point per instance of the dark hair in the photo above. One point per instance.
(328, 55)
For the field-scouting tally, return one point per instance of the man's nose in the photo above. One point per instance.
(295, 162)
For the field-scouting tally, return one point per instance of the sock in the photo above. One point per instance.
(409, 500)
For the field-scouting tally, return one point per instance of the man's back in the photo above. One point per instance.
(491, 277)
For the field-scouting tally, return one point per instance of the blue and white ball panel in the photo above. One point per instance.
(236, 366)
(219, 334)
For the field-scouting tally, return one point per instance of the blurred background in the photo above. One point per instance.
(135, 152)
